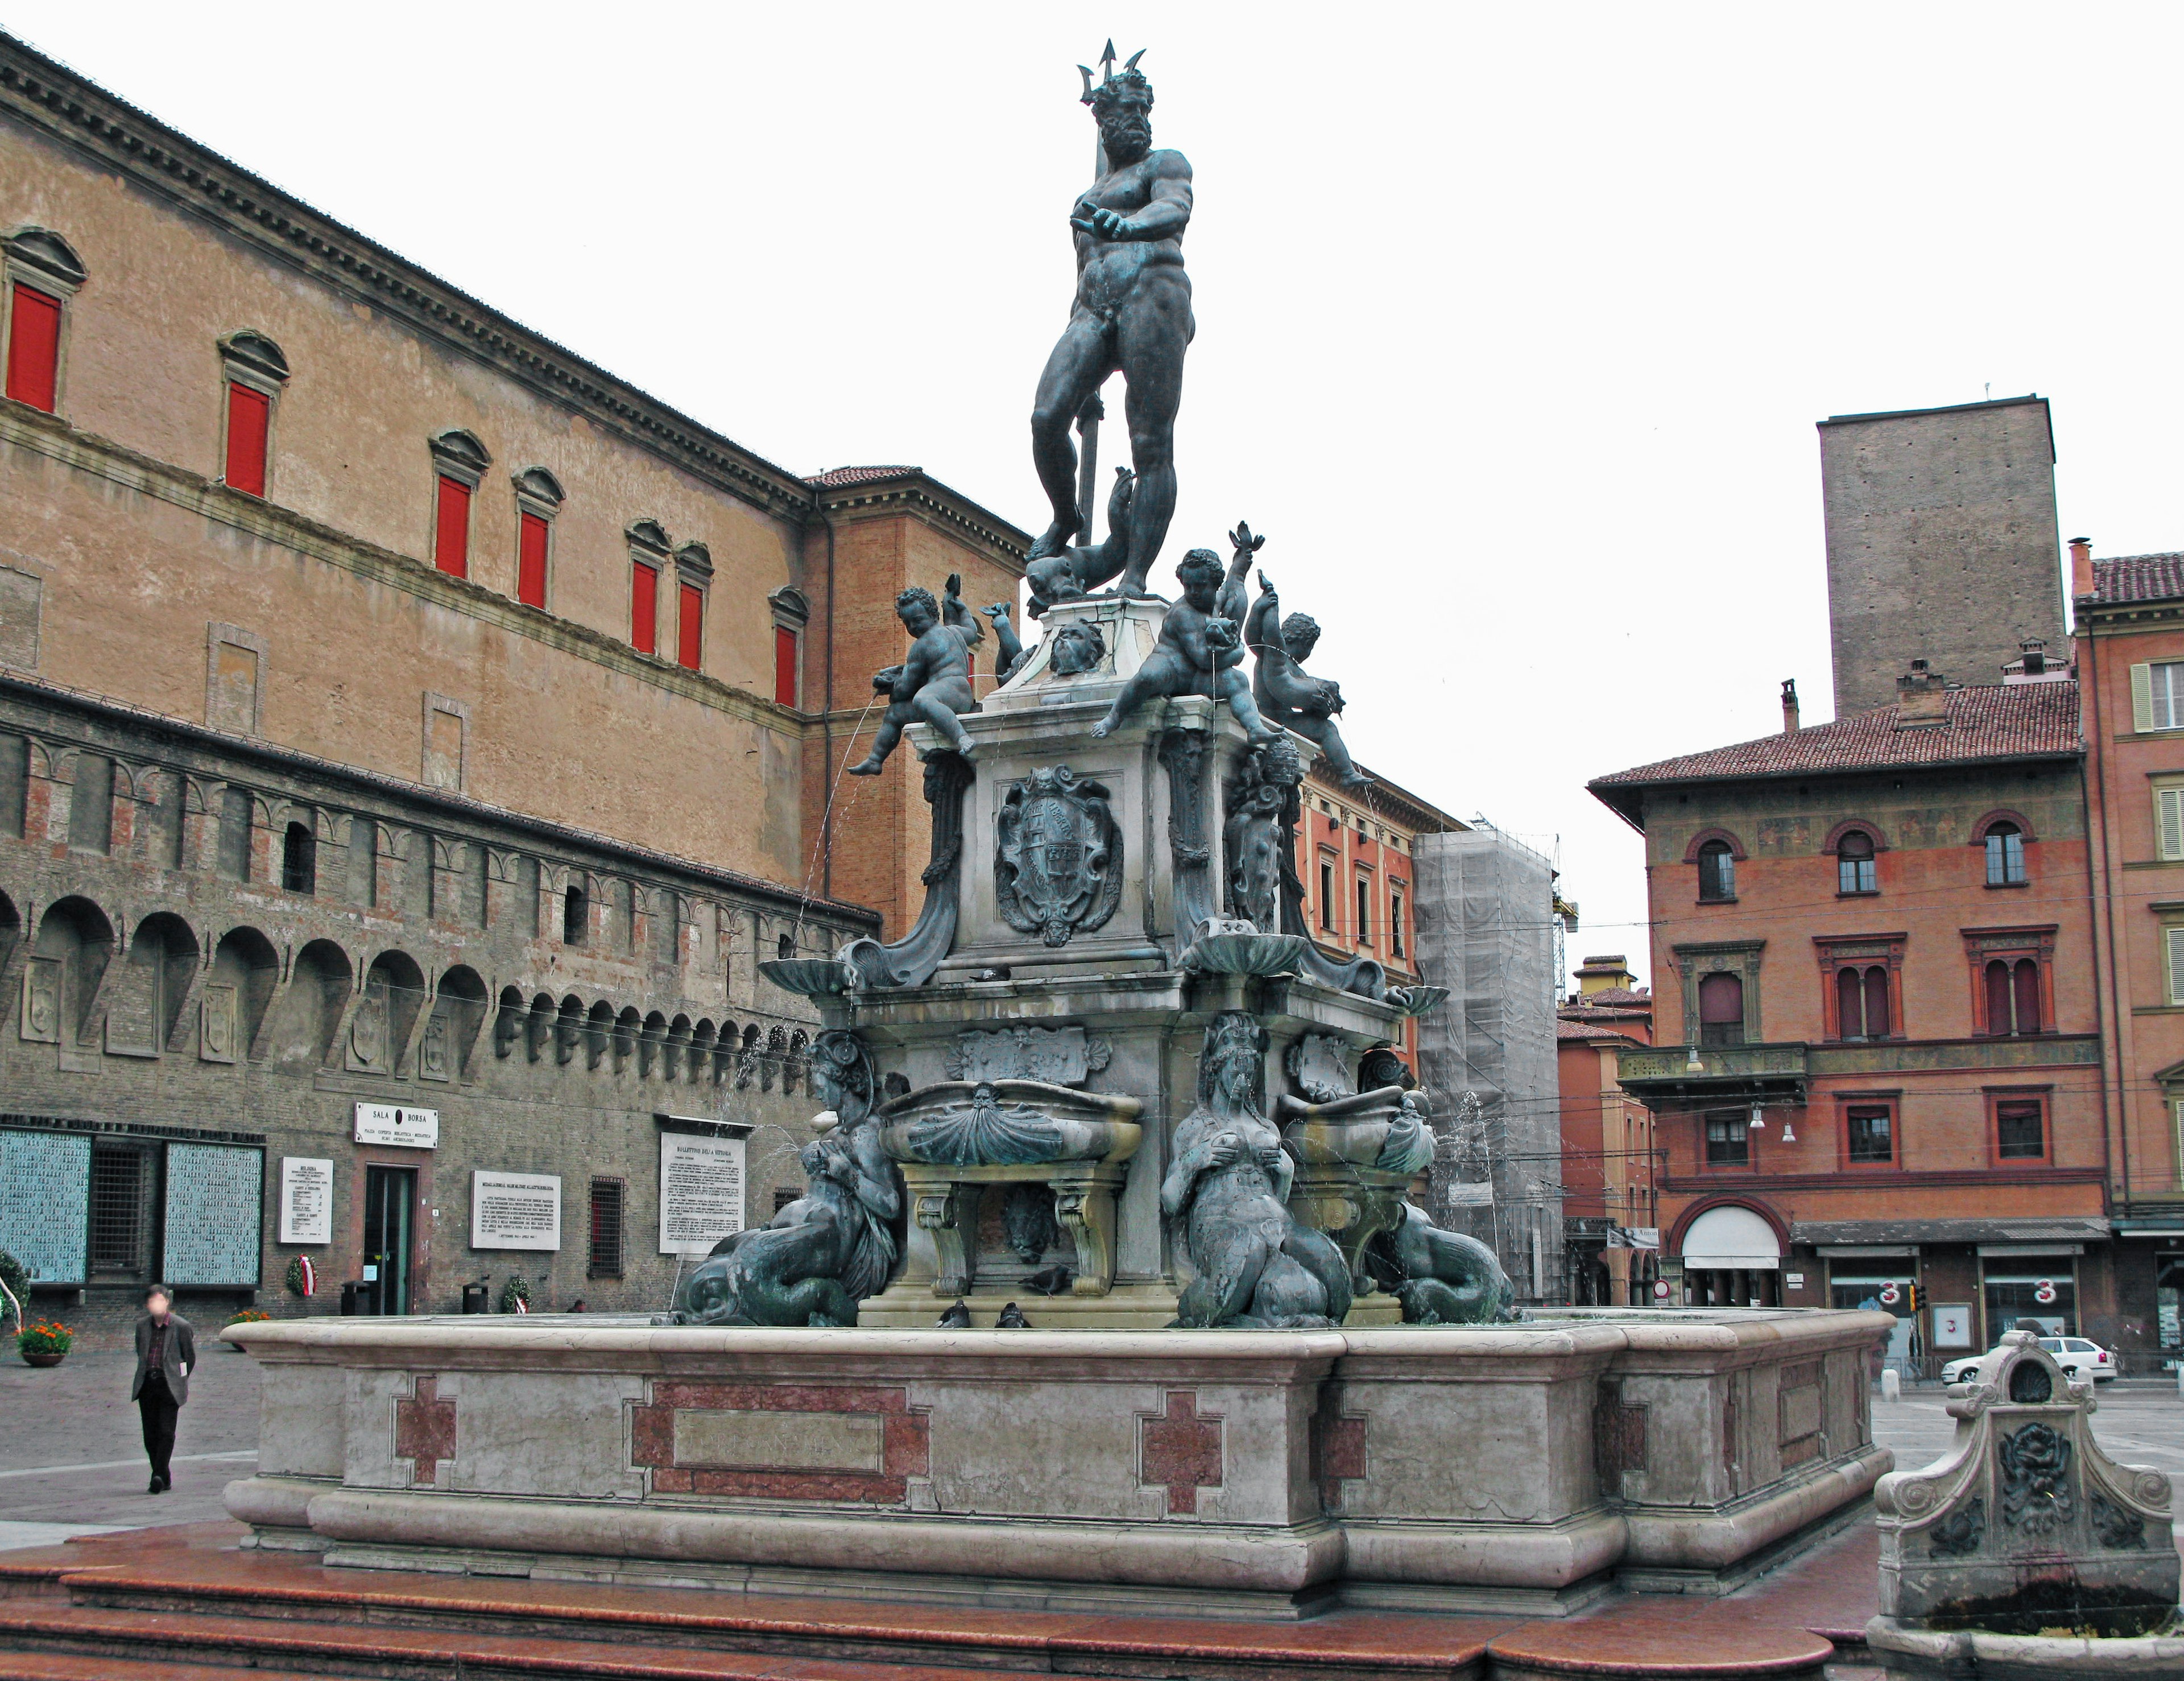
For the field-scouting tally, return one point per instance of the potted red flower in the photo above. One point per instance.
(44, 1344)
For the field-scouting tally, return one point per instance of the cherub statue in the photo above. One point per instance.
(934, 685)
(1198, 652)
(1256, 1268)
(1075, 572)
(1286, 693)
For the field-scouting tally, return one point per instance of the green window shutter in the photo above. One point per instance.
(2142, 697)
(2169, 805)
(2175, 937)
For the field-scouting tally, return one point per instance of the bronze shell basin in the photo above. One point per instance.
(811, 977)
(1351, 1130)
(1245, 954)
(1008, 1123)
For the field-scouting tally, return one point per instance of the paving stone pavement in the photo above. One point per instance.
(72, 1456)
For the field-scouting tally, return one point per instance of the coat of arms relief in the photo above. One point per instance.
(1058, 863)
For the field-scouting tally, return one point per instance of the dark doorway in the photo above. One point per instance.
(390, 1196)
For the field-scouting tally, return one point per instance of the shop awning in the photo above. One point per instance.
(1822, 1233)
(1726, 1237)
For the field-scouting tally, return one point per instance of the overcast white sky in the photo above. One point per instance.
(1514, 321)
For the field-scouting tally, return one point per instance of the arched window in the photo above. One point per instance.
(2005, 855)
(299, 859)
(2013, 997)
(1716, 871)
(1721, 1010)
(576, 916)
(1855, 868)
(1862, 1002)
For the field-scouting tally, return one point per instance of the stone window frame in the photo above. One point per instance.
(791, 612)
(461, 455)
(649, 545)
(540, 494)
(250, 360)
(1736, 856)
(1983, 945)
(41, 259)
(235, 636)
(1891, 1098)
(1330, 867)
(2026, 836)
(1993, 1097)
(1836, 951)
(2169, 914)
(1739, 957)
(694, 570)
(1832, 848)
(1361, 891)
(460, 711)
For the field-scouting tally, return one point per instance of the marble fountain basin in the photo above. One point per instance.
(1241, 1473)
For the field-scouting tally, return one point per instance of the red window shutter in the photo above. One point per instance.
(1876, 1002)
(531, 561)
(1850, 1015)
(451, 535)
(1997, 997)
(249, 416)
(34, 348)
(784, 665)
(2026, 986)
(690, 627)
(643, 607)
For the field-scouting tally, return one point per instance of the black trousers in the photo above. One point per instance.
(157, 1407)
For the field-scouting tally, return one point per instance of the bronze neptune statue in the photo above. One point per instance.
(1132, 315)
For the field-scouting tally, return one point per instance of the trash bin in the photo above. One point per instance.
(474, 1298)
(359, 1298)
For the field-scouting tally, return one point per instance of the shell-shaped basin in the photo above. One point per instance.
(1008, 1123)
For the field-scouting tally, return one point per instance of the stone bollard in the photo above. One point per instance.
(1892, 1384)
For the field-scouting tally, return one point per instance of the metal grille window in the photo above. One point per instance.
(1728, 1139)
(1871, 1139)
(1716, 871)
(300, 860)
(606, 1228)
(2005, 856)
(1857, 871)
(2018, 1132)
(117, 1209)
(2168, 684)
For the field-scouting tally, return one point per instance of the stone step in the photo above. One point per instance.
(74, 1666)
(127, 1646)
(271, 1590)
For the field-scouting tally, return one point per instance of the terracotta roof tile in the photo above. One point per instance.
(1610, 996)
(1586, 1030)
(2138, 578)
(840, 479)
(2003, 721)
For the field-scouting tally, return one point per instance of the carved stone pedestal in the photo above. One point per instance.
(946, 1203)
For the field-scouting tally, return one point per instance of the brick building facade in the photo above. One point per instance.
(313, 569)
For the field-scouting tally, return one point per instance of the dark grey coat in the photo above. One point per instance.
(181, 1360)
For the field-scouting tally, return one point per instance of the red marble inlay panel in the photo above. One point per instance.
(425, 1432)
(906, 1442)
(1180, 1450)
(1338, 1448)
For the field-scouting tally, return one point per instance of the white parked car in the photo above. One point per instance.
(2078, 1357)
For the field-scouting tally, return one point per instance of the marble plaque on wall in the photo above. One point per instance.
(516, 1211)
(307, 1200)
(701, 1192)
(45, 1203)
(214, 1213)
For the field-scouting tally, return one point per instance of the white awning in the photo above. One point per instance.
(1731, 1237)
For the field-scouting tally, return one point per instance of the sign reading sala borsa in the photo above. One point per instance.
(386, 1124)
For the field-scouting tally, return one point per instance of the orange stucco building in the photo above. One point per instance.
(2129, 616)
(1878, 1064)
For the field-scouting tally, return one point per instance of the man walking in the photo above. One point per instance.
(166, 1350)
